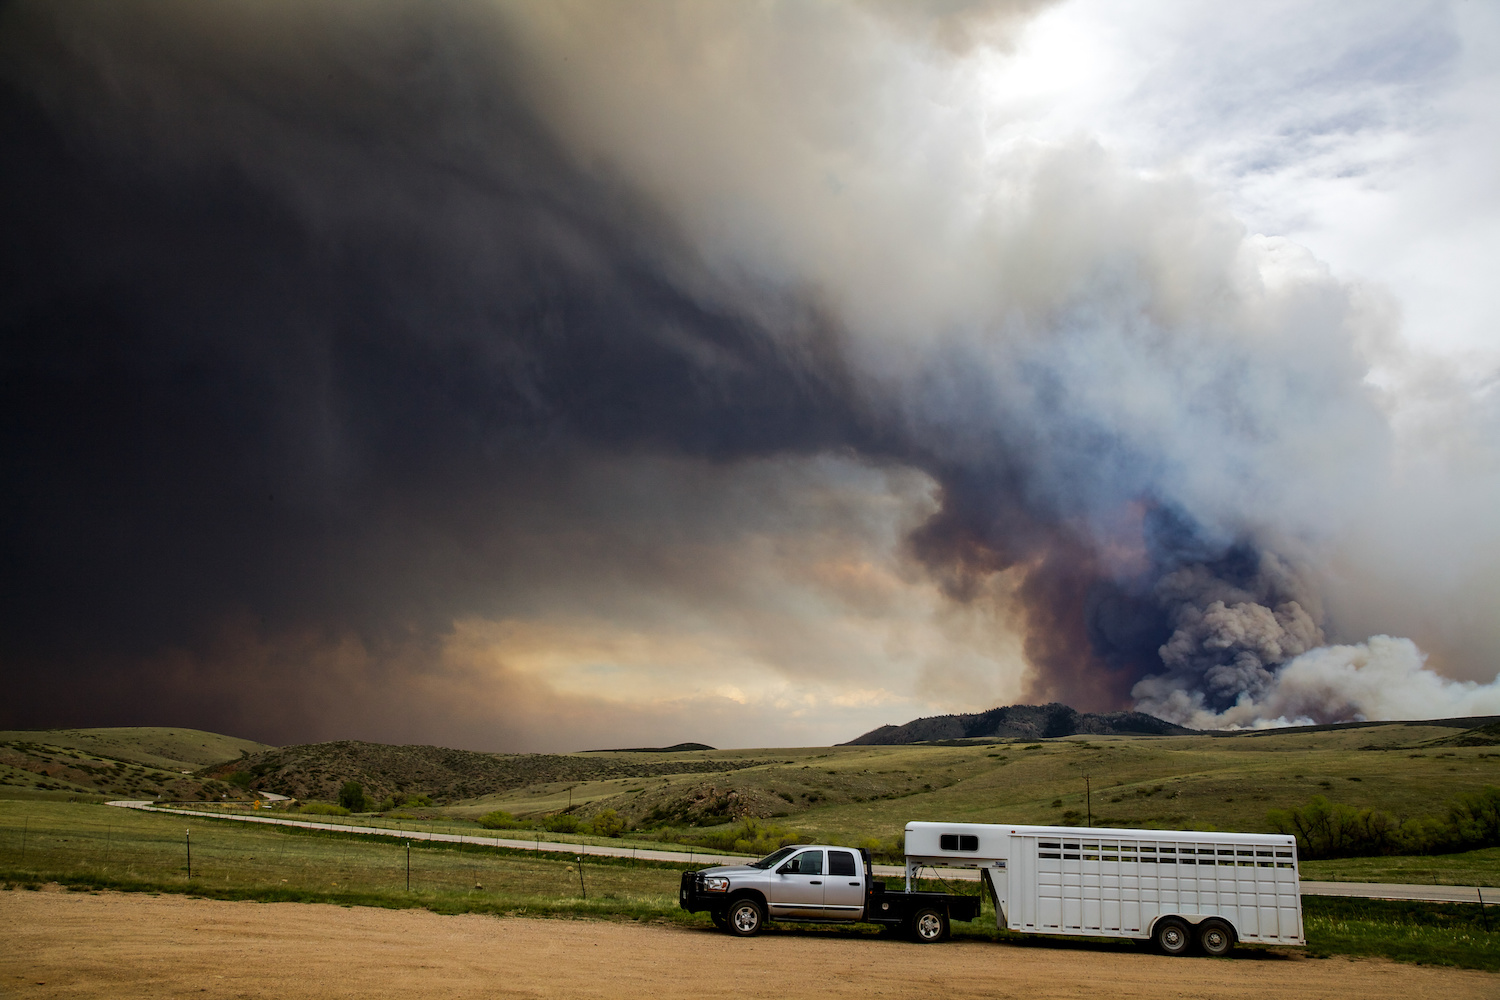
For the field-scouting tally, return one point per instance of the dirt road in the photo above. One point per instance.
(67, 944)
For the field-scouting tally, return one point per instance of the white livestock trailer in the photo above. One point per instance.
(1174, 888)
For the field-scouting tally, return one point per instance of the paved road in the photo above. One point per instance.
(1364, 890)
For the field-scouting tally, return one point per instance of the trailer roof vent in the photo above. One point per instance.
(958, 842)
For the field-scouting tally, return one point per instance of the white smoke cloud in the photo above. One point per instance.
(1381, 679)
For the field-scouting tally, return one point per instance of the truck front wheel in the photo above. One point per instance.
(745, 918)
(928, 925)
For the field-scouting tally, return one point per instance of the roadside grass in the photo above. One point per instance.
(1454, 934)
(94, 846)
(1480, 867)
(90, 847)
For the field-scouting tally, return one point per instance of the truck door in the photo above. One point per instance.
(844, 888)
(796, 887)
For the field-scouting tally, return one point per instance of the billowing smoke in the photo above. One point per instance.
(348, 324)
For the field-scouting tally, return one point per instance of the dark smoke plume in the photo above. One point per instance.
(315, 311)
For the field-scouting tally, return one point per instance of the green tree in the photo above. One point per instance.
(608, 824)
(352, 796)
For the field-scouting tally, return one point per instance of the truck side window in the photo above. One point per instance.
(807, 863)
(841, 863)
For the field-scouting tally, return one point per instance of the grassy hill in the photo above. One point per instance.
(861, 793)
(853, 794)
(315, 771)
(139, 762)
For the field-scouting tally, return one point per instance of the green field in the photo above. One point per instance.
(93, 844)
(859, 794)
(1479, 868)
(704, 799)
(86, 845)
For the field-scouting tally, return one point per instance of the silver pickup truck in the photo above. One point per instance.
(820, 884)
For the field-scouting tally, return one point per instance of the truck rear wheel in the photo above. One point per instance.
(1171, 937)
(1215, 938)
(745, 918)
(929, 925)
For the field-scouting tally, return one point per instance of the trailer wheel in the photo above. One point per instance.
(745, 918)
(1216, 938)
(929, 925)
(1172, 937)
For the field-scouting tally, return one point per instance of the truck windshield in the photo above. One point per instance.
(771, 859)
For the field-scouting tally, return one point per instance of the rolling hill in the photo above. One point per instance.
(136, 762)
(1021, 722)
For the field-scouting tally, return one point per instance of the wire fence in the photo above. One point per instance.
(46, 840)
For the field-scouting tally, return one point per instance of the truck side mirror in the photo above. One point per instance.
(790, 868)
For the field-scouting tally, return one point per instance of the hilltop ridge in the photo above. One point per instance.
(1020, 722)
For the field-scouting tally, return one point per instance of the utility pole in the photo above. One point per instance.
(581, 886)
(189, 841)
(408, 866)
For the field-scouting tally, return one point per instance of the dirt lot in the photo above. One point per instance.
(66, 944)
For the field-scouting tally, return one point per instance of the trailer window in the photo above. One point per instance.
(1047, 844)
(958, 842)
(841, 863)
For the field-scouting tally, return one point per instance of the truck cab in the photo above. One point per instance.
(816, 883)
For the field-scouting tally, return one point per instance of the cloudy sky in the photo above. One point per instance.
(551, 376)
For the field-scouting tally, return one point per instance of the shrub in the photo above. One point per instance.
(608, 824)
(239, 779)
(418, 800)
(502, 820)
(749, 836)
(561, 823)
(323, 809)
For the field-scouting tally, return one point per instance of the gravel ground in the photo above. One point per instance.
(122, 945)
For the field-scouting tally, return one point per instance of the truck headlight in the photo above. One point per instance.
(713, 883)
